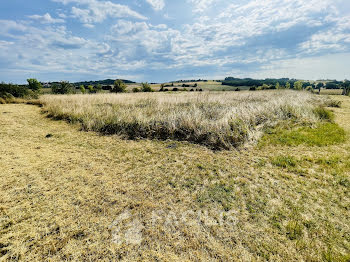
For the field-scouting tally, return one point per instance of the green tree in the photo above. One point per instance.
(82, 89)
(146, 87)
(161, 88)
(278, 86)
(346, 87)
(98, 88)
(287, 85)
(319, 85)
(91, 89)
(310, 89)
(119, 86)
(64, 87)
(34, 84)
(298, 85)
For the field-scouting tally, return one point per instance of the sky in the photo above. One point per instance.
(164, 40)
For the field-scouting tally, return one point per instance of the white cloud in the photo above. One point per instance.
(97, 11)
(50, 49)
(336, 39)
(200, 6)
(88, 26)
(156, 4)
(227, 36)
(148, 40)
(46, 19)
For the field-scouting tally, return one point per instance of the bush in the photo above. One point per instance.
(64, 87)
(346, 88)
(146, 87)
(310, 89)
(161, 88)
(13, 90)
(91, 89)
(175, 89)
(323, 113)
(119, 86)
(98, 88)
(253, 88)
(298, 85)
(34, 84)
(82, 89)
(237, 89)
(331, 85)
(136, 90)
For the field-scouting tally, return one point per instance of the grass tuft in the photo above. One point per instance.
(294, 230)
(323, 113)
(284, 161)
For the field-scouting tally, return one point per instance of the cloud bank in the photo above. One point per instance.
(88, 39)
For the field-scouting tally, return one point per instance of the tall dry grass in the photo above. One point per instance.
(219, 120)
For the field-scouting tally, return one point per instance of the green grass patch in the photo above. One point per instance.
(220, 193)
(284, 161)
(323, 113)
(332, 162)
(324, 134)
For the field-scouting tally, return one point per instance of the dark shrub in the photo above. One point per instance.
(14, 90)
(119, 86)
(146, 87)
(323, 113)
(98, 88)
(253, 88)
(34, 84)
(64, 87)
(175, 89)
(237, 89)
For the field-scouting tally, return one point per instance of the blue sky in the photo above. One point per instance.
(163, 40)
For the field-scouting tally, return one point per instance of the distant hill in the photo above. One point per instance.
(102, 82)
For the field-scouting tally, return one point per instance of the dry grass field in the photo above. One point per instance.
(209, 85)
(331, 91)
(68, 195)
(217, 120)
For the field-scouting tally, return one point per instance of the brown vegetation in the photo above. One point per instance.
(217, 120)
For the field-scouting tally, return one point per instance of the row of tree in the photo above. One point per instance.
(281, 82)
(64, 87)
(9, 91)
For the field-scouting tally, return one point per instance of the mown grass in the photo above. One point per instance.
(60, 194)
(284, 161)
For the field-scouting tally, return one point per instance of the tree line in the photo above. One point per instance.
(34, 87)
(271, 83)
